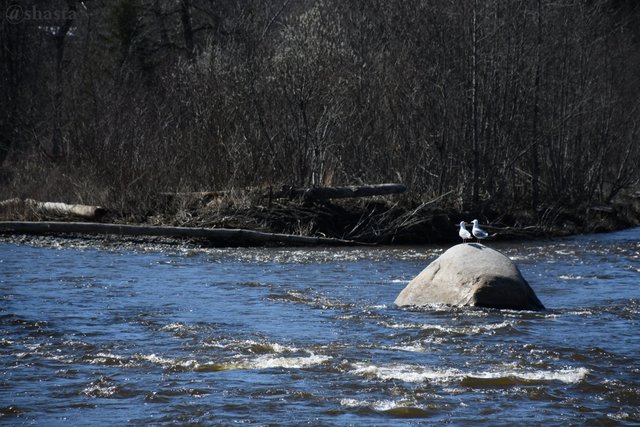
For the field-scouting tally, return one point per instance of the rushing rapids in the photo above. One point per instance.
(106, 333)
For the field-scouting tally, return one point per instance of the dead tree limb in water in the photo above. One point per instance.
(323, 193)
(216, 236)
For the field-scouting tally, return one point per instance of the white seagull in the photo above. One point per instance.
(464, 233)
(478, 232)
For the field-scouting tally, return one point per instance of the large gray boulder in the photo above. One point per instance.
(471, 275)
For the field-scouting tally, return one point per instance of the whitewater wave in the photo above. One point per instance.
(264, 362)
(252, 346)
(475, 329)
(398, 408)
(267, 361)
(418, 374)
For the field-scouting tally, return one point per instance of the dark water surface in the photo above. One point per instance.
(95, 334)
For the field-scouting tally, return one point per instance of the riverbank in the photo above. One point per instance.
(379, 220)
(402, 222)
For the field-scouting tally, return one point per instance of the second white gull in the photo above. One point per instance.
(478, 232)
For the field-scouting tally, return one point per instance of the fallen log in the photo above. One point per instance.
(82, 211)
(55, 208)
(323, 193)
(216, 236)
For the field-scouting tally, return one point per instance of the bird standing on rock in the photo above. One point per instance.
(464, 233)
(478, 232)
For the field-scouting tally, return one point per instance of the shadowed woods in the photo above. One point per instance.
(521, 114)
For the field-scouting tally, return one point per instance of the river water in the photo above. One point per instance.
(97, 333)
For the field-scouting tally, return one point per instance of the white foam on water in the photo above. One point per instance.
(563, 252)
(34, 347)
(470, 329)
(567, 375)
(353, 403)
(392, 325)
(105, 356)
(279, 348)
(417, 374)
(253, 346)
(106, 359)
(413, 348)
(267, 362)
(349, 317)
(102, 387)
(624, 416)
(61, 358)
(378, 405)
(153, 358)
(585, 312)
(239, 362)
(475, 329)
(178, 327)
(215, 344)
(76, 343)
(408, 373)
(246, 354)
(459, 330)
(167, 362)
(570, 277)
(97, 390)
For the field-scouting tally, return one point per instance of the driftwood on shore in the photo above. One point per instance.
(216, 236)
(54, 208)
(323, 193)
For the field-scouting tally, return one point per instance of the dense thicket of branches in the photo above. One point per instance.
(520, 102)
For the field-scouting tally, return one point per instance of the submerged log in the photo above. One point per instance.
(323, 193)
(216, 236)
(55, 208)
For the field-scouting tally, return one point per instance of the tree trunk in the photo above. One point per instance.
(59, 37)
(535, 156)
(187, 29)
(475, 199)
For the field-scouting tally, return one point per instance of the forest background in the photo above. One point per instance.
(530, 107)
